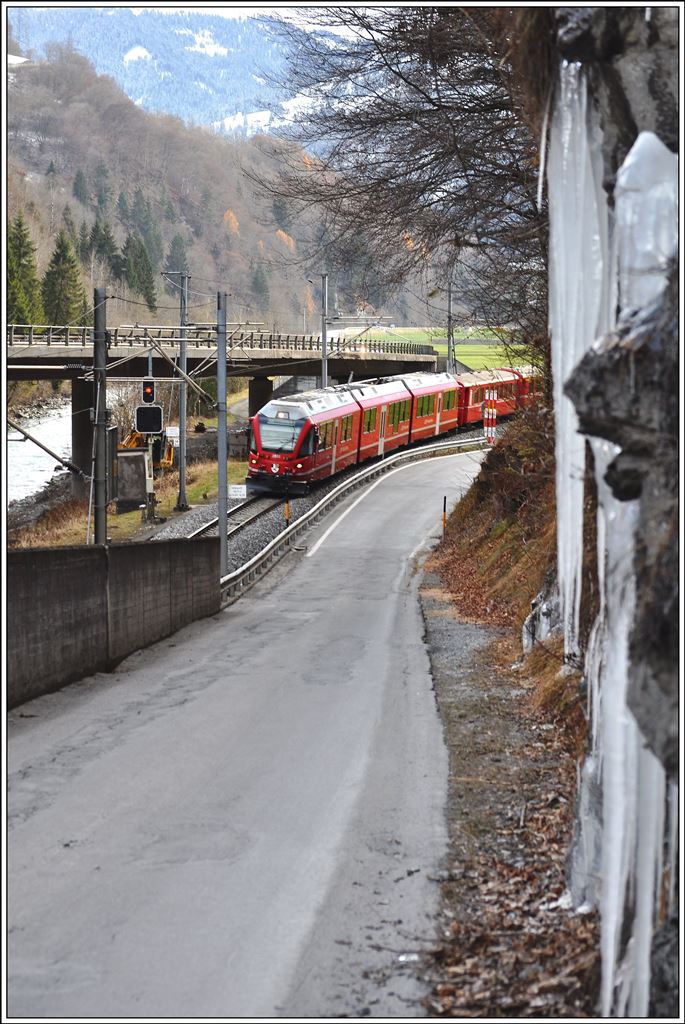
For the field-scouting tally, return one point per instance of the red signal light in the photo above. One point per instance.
(148, 391)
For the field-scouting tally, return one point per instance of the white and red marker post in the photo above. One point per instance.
(490, 416)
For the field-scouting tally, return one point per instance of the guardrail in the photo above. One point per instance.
(201, 336)
(240, 580)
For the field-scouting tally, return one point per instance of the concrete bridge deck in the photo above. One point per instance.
(66, 352)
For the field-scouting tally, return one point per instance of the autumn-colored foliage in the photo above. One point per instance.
(231, 222)
(288, 242)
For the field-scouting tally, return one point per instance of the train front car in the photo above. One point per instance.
(304, 438)
(281, 449)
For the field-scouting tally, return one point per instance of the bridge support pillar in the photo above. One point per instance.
(261, 390)
(81, 431)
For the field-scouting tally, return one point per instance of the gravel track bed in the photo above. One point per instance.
(254, 538)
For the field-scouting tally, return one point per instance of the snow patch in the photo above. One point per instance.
(137, 53)
(204, 43)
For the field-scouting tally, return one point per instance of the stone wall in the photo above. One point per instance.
(76, 611)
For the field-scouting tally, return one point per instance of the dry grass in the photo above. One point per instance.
(67, 524)
(556, 693)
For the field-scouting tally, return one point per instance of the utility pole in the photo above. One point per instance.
(222, 505)
(100, 413)
(324, 323)
(181, 501)
(450, 339)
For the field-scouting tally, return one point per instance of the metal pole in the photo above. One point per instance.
(100, 414)
(222, 507)
(450, 340)
(324, 322)
(181, 501)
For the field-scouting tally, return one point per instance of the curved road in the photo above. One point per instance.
(243, 820)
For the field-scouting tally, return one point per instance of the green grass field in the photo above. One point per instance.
(483, 351)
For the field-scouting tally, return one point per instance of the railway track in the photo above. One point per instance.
(240, 516)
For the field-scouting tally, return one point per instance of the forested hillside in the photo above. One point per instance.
(137, 194)
(200, 67)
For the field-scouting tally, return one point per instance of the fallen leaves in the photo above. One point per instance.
(509, 944)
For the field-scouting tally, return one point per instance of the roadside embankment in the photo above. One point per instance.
(507, 944)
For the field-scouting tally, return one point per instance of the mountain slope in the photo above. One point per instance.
(205, 69)
(160, 179)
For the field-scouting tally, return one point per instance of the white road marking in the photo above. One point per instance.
(324, 536)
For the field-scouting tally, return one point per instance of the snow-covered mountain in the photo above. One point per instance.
(206, 69)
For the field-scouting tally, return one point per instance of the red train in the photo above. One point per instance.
(313, 435)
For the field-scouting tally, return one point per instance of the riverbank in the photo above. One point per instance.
(38, 401)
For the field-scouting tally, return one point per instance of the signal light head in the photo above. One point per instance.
(148, 391)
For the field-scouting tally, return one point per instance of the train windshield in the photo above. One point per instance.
(279, 433)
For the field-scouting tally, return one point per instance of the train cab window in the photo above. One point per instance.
(307, 447)
(369, 421)
(278, 433)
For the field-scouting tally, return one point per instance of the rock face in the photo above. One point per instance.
(632, 57)
(625, 390)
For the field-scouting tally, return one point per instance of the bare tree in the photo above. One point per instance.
(420, 158)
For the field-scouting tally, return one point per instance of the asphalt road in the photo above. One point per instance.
(242, 821)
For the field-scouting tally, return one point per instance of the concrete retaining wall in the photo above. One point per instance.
(75, 611)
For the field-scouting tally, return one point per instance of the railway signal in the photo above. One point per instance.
(149, 419)
(148, 392)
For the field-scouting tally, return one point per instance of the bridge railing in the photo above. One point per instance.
(204, 336)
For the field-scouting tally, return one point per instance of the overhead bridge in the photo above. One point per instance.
(65, 352)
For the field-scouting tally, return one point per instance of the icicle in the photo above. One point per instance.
(543, 151)
(579, 268)
(649, 843)
(672, 846)
(646, 217)
(595, 268)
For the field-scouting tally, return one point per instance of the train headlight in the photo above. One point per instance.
(253, 461)
(298, 466)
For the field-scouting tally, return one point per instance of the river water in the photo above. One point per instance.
(29, 468)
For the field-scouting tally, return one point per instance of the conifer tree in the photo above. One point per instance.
(83, 248)
(260, 286)
(123, 209)
(17, 305)
(63, 291)
(103, 189)
(70, 227)
(138, 270)
(80, 188)
(25, 270)
(176, 260)
(86, 315)
(106, 246)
